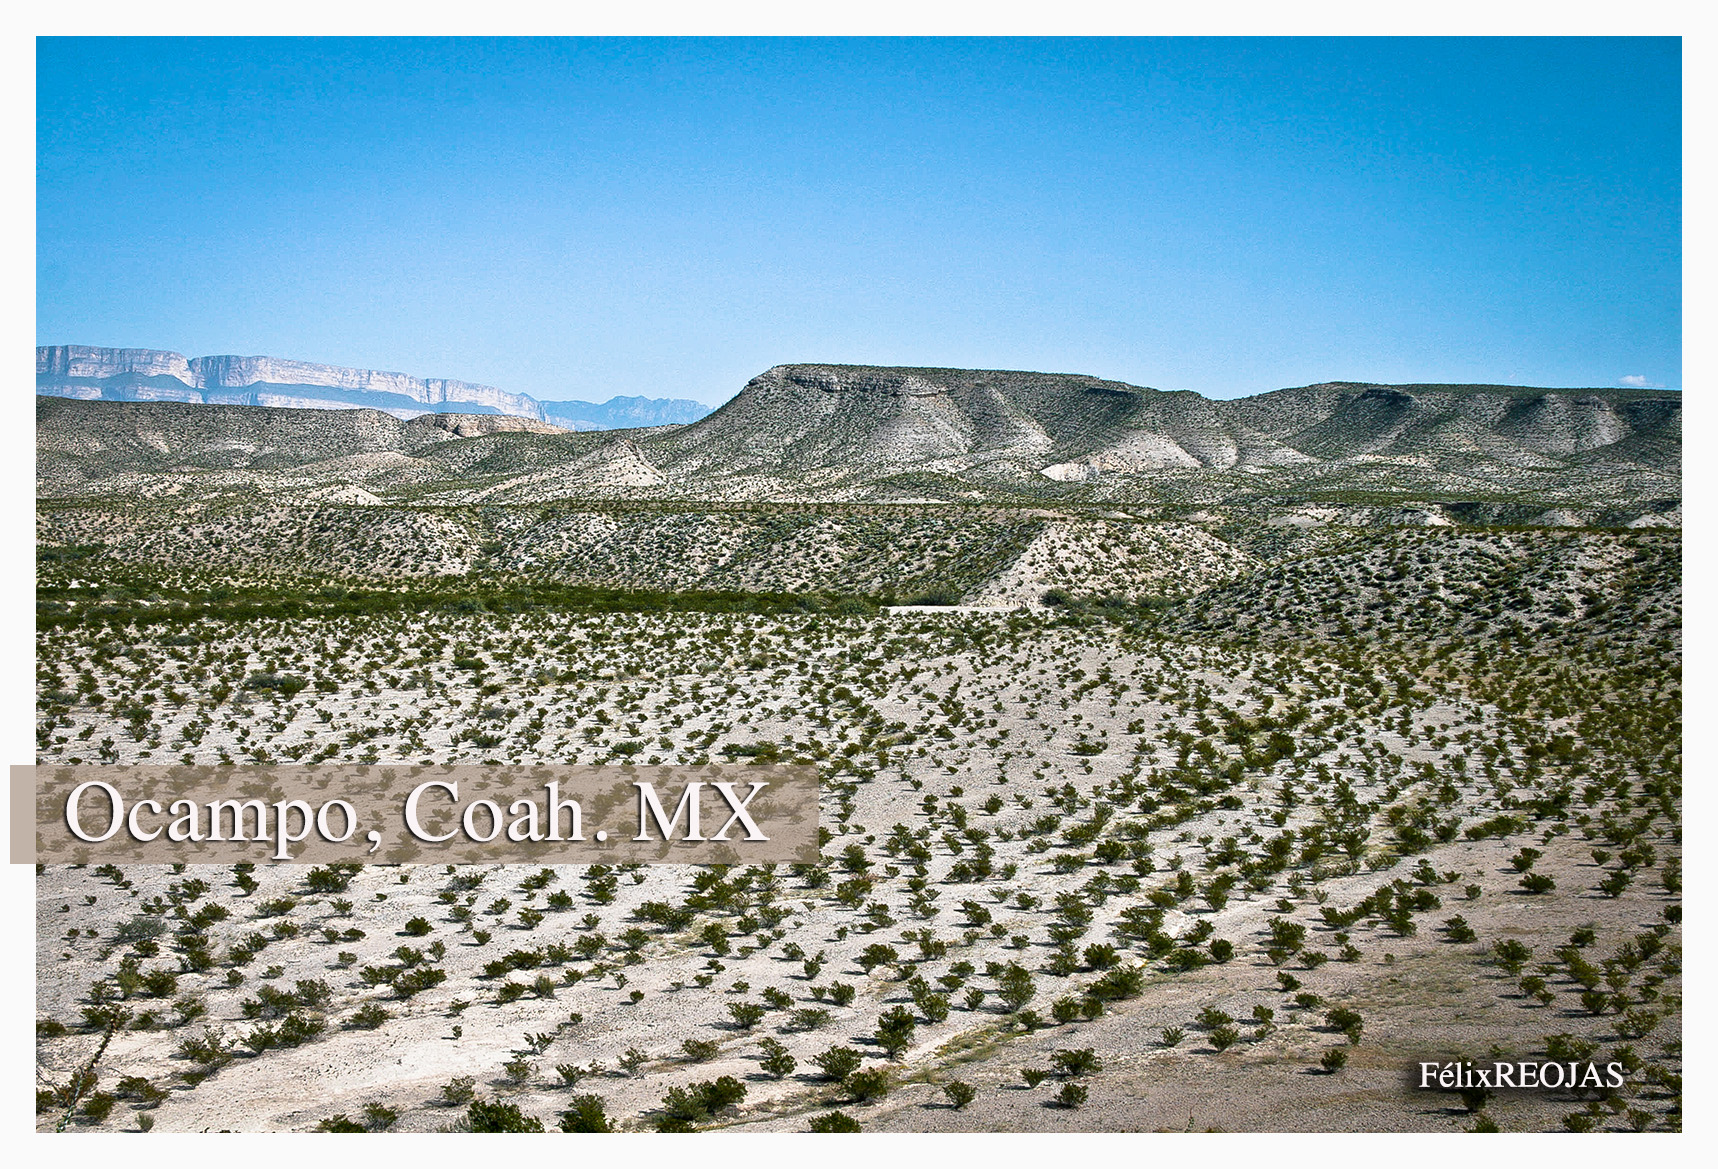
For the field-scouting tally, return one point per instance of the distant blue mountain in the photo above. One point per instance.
(617, 413)
(156, 375)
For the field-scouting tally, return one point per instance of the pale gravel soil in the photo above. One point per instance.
(1435, 992)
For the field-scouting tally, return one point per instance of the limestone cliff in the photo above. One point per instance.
(157, 375)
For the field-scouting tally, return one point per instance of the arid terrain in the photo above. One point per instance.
(1158, 794)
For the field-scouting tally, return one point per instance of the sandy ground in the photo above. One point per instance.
(1013, 713)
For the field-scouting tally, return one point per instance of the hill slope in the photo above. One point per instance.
(866, 434)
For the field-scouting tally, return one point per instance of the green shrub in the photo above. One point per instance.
(1071, 1096)
(98, 1105)
(699, 1050)
(895, 1029)
(585, 1115)
(683, 1107)
(495, 1116)
(1346, 1021)
(369, 1016)
(808, 1019)
(776, 1061)
(866, 1084)
(1512, 955)
(834, 1122)
(1210, 1017)
(339, 1123)
(875, 955)
(1081, 1062)
(838, 1062)
(746, 1015)
(959, 1094)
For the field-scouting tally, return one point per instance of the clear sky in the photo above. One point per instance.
(578, 219)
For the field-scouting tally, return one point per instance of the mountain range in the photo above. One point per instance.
(157, 375)
(842, 433)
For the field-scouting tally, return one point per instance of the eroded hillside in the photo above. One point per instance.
(833, 433)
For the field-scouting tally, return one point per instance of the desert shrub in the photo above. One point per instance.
(98, 1105)
(1172, 1036)
(417, 927)
(1081, 1062)
(1071, 1096)
(160, 983)
(700, 1050)
(776, 1061)
(139, 1088)
(834, 1122)
(459, 1090)
(895, 1029)
(838, 1063)
(1124, 982)
(412, 981)
(369, 1016)
(875, 955)
(959, 1094)
(866, 1084)
(1613, 885)
(808, 1019)
(1210, 1017)
(842, 993)
(1511, 954)
(746, 1015)
(1566, 1047)
(333, 879)
(339, 1123)
(1224, 1037)
(1346, 1021)
(585, 1115)
(1034, 1076)
(1334, 1060)
(487, 1116)
(683, 1107)
(143, 927)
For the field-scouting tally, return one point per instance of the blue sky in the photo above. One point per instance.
(578, 219)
